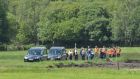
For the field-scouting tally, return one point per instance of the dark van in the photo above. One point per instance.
(57, 53)
(36, 54)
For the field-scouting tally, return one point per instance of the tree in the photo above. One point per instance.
(124, 24)
(61, 23)
(41, 21)
(99, 29)
(4, 28)
(77, 22)
(29, 17)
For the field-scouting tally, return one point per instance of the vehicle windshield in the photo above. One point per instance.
(34, 52)
(54, 52)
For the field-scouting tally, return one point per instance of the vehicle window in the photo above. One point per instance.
(44, 52)
(55, 52)
(35, 52)
(63, 51)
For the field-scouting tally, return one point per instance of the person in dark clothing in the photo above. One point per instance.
(92, 54)
(89, 54)
(103, 52)
(70, 54)
(76, 56)
(67, 56)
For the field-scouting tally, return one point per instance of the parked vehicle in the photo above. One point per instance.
(36, 54)
(57, 53)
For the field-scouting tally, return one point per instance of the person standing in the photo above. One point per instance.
(110, 52)
(114, 52)
(70, 54)
(118, 51)
(92, 54)
(96, 50)
(75, 54)
(82, 53)
(89, 56)
(103, 52)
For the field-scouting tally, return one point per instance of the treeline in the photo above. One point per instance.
(64, 22)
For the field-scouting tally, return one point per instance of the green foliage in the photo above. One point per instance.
(4, 28)
(40, 21)
(71, 21)
(29, 14)
(125, 21)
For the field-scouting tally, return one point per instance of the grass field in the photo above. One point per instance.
(13, 67)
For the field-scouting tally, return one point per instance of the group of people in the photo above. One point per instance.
(110, 52)
(89, 53)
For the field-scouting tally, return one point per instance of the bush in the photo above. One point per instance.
(3, 47)
(26, 47)
(12, 47)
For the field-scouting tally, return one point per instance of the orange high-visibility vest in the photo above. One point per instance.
(96, 50)
(118, 51)
(109, 51)
(114, 51)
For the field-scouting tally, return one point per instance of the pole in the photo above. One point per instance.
(75, 45)
(117, 63)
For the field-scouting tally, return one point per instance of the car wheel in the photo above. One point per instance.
(39, 59)
(25, 60)
(66, 58)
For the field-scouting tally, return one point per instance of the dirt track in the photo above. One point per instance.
(119, 65)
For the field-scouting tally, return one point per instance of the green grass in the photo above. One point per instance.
(74, 73)
(131, 53)
(13, 67)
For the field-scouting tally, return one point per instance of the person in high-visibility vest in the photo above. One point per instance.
(118, 51)
(96, 51)
(110, 52)
(114, 52)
